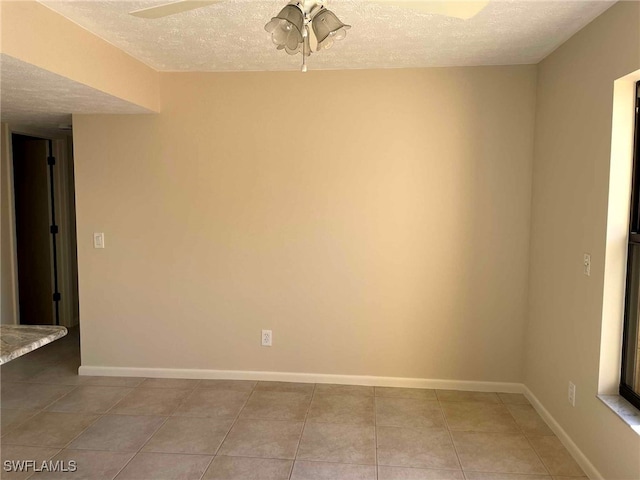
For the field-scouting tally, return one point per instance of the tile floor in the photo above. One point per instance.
(137, 428)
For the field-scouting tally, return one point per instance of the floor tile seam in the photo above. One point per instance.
(415, 428)
(383, 423)
(511, 432)
(523, 475)
(32, 474)
(525, 433)
(37, 445)
(157, 452)
(19, 424)
(448, 429)
(341, 423)
(304, 425)
(170, 415)
(422, 468)
(333, 462)
(44, 409)
(258, 416)
(133, 390)
(517, 423)
(109, 410)
(375, 430)
(135, 454)
(99, 416)
(187, 389)
(50, 382)
(123, 466)
(181, 402)
(544, 464)
(235, 420)
(184, 400)
(92, 449)
(198, 382)
(213, 457)
(520, 429)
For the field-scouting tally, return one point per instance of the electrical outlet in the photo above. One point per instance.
(587, 264)
(572, 394)
(267, 338)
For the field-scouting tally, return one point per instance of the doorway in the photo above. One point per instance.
(45, 243)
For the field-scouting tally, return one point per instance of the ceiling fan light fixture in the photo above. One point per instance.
(291, 30)
(328, 28)
(286, 28)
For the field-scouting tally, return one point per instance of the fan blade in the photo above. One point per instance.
(464, 10)
(167, 9)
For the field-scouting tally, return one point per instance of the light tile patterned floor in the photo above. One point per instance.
(154, 429)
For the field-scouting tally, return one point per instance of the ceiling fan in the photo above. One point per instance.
(306, 26)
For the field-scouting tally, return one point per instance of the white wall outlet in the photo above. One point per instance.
(267, 338)
(572, 394)
(98, 240)
(587, 264)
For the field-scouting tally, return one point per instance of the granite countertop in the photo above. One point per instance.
(17, 340)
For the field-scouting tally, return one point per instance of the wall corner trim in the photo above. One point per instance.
(376, 381)
(589, 469)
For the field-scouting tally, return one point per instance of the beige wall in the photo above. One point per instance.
(377, 221)
(36, 35)
(569, 217)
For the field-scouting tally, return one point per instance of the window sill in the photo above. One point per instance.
(627, 412)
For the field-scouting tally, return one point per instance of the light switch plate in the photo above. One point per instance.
(98, 240)
(587, 264)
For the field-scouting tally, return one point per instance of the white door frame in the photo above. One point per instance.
(63, 196)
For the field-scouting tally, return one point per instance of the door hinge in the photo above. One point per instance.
(51, 160)
(53, 229)
(57, 297)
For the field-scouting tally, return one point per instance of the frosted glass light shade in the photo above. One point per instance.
(328, 28)
(286, 28)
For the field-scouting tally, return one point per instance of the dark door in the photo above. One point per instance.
(33, 235)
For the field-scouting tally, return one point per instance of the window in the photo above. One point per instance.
(630, 377)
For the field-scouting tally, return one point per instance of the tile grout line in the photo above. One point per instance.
(44, 410)
(375, 431)
(524, 434)
(448, 429)
(152, 433)
(171, 415)
(204, 472)
(304, 424)
(213, 457)
(102, 415)
(253, 389)
(19, 424)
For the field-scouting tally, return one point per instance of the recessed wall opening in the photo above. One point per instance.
(41, 223)
(630, 373)
(620, 186)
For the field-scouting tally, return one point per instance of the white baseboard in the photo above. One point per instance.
(589, 469)
(375, 381)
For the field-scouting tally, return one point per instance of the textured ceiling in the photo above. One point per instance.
(33, 97)
(229, 36)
